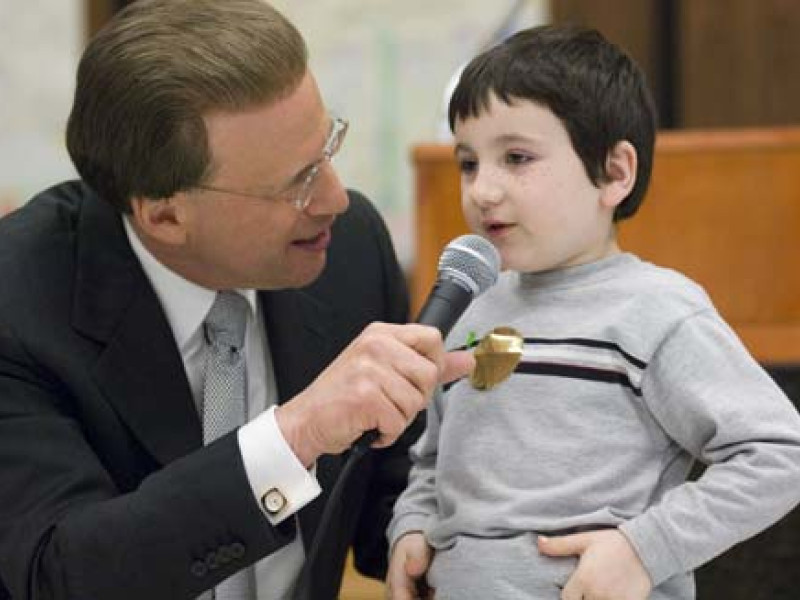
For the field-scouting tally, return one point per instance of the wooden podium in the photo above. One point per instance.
(723, 207)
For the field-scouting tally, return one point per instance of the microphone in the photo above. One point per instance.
(469, 265)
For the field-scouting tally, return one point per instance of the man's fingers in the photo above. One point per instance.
(565, 545)
(424, 339)
(380, 381)
(456, 365)
(427, 341)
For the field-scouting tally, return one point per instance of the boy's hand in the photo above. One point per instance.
(408, 564)
(608, 568)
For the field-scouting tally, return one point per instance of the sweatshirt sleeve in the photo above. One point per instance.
(418, 503)
(717, 403)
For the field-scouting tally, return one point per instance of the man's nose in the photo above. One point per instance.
(328, 195)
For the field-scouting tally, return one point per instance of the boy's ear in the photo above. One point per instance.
(163, 220)
(621, 164)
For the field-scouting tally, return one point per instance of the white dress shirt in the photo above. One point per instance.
(269, 462)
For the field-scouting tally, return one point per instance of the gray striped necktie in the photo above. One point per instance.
(224, 399)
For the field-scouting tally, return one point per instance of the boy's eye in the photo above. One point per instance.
(517, 158)
(466, 165)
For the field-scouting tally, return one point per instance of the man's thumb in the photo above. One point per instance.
(565, 545)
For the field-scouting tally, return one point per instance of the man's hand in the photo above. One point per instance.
(408, 564)
(380, 381)
(608, 568)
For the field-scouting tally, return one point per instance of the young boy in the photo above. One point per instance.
(567, 479)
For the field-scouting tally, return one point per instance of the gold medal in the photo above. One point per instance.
(496, 357)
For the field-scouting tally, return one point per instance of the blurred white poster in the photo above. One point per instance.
(40, 41)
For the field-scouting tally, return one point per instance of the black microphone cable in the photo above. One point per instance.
(303, 588)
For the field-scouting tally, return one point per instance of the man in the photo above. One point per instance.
(204, 150)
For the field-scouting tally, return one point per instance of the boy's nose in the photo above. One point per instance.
(486, 191)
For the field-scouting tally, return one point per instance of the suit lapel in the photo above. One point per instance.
(142, 374)
(302, 338)
(140, 370)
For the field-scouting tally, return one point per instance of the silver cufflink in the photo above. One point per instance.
(273, 501)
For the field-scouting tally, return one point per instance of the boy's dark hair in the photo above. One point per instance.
(148, 79)
(595, 89)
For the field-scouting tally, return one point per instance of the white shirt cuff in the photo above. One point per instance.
(280, 482)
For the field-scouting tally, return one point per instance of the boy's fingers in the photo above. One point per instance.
(565, 545)
(398, 586)
(408, 563)
(418, 560)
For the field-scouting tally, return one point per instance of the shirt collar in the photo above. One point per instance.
(186, 304)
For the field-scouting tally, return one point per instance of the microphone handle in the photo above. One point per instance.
(445, 304)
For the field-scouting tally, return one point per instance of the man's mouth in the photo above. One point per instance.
(316, 243)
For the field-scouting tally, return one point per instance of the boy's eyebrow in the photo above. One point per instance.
(510, 138)
(461, 147)
(502, 140)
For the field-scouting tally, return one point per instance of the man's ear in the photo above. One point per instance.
(621, 164)
(162, 220)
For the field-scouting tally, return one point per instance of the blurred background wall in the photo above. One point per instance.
(40, 41)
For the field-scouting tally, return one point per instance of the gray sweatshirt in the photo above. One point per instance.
(628, 375)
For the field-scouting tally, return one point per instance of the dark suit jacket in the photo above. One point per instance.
(105, 489)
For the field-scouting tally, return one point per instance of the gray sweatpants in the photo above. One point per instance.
(512, 569)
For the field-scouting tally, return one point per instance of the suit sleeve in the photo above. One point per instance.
(66, 529)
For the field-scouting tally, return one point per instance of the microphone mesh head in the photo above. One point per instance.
(471, 261)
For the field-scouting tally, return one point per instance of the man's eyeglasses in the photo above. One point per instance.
(299, 190)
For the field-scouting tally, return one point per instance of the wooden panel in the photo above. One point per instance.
(738, 63)
(642, 27)
(438, 214)
(357, 587)
(723, 208)
(629, 23)
(98, 12)
(710, 63)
